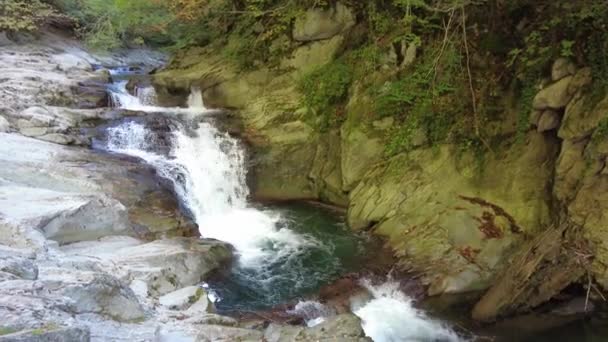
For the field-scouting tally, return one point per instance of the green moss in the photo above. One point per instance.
(425, 100)
(325, 89)
(7, 331)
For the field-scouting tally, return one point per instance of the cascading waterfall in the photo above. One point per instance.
(208, 171)
(390, 317)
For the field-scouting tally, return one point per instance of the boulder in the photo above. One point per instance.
(346, 327)
(319, 23)
(167, 265)
(561, 68)
(438, 210)
(49, 333)
(554, 96)
(549, 120)
(92, 292)
(182, 298)
(62, 217)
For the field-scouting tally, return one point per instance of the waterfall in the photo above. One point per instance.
(145, 100)
(208, 171)
(390, 316)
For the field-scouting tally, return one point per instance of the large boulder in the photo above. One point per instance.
(158, 267)
(554, 96)
(346, 327)
(319, 23)
(454, 223)
(62, 217)
(92, 292)
(182, 298)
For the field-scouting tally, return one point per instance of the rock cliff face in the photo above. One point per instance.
(455, 222)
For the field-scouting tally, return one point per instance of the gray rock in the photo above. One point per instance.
(19, 267)
(346, 327)
(62, 217)
(549, 120)
(49, 334)
(561, 68)
(319, 23)
(182, 298)
(93, 292)
(158, 267)
(554, 96)
(219, 333)
(5, 126)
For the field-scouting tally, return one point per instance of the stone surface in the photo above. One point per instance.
(319, 23)
(561, 68)
(218, 333)
(49, 334)
(549, 120)
(313, 55)
(5, 126)
(92, 292)
(554, 96)
(344, 328)
(182, 298)
(438, 211)
(163, 266)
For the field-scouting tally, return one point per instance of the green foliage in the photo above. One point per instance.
(25, 15)
(7, 331)
(424, 101)
(325, 88)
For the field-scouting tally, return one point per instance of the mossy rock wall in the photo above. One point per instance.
(450, 215)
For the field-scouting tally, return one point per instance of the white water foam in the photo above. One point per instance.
(145, 100)
(208, 173)
(391, 317)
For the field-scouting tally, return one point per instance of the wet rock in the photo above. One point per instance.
(549, 120)
(158, 267)
(575, 306)
(319, 23)
(561, 68)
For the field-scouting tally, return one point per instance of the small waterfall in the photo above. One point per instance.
(390, 316)
(208, 172)
(145, 100)
(195, 100)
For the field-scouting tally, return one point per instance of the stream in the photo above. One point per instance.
(284, 253)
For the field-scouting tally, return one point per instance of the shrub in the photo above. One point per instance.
(25, 15)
